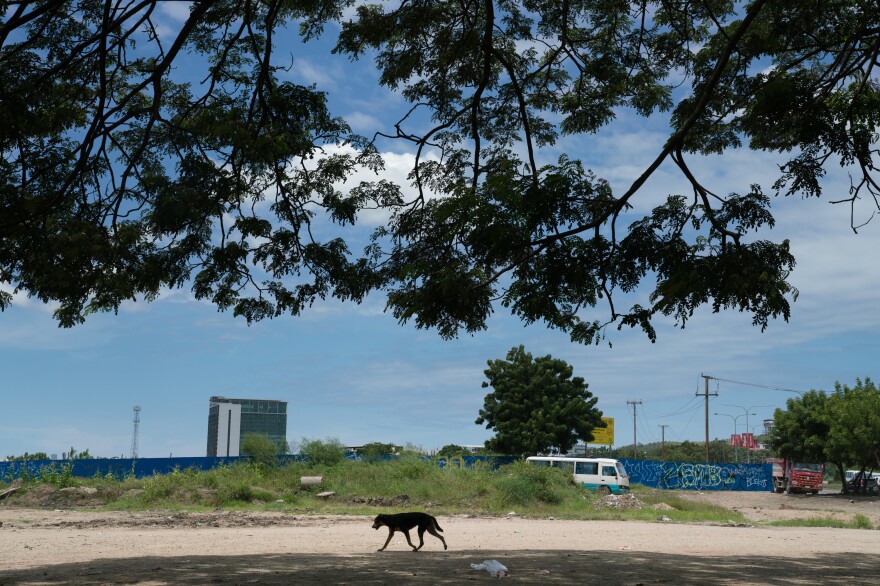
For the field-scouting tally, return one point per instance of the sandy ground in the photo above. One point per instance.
(97, 547)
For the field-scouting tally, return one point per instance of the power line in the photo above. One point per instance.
(646, 426)
(692, 404)
(686, 425)
(756, 385)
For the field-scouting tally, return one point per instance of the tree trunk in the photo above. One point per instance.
(842, 477)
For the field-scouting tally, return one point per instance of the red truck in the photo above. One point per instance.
(791, 476)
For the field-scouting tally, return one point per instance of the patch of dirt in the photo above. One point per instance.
(762, 507)
(157, 519)
(39, 547)
(47, 496)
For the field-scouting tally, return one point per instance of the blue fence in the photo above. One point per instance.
(492, 462)
(119, 468)
(692, 476)
(142, 467)
(669, 475)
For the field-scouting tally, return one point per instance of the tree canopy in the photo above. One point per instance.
(842, 428)
(120, 177)
(800, 431)
(854, 437)
(536, 404)
(261, 449)
(451, 450)
(28, 456)
(376, 450)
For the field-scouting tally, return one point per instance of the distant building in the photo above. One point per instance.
(229, 420)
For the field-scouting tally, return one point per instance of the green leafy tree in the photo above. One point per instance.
(329, 452)
(842, 428)
(450, 450)
(854, 438)
(686, 451)
(801, 430)
(376, 450)
(74, 455)
(122, 172)
(28, 456)
(536, 404)
(260, 448)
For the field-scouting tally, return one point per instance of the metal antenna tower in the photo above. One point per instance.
(134, 434)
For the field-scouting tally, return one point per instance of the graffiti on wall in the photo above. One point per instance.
(143, 467)
(697, 476)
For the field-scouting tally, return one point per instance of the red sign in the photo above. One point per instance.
(749, 441)
(736, 440)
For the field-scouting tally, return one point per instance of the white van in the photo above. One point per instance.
(604, 475)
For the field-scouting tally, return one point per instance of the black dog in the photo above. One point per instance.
(403, 522)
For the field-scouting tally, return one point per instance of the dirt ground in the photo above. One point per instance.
(64, 546)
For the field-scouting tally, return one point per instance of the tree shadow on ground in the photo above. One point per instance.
(526, 567)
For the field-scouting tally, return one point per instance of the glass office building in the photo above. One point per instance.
(229, 420)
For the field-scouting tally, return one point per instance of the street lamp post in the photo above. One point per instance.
(753, 428)
(746, 410)
(735, 420)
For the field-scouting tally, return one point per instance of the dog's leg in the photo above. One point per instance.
(387, 541)
(433, 532)
(421, 538)
(406, 532)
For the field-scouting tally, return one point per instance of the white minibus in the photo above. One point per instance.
(605, 475)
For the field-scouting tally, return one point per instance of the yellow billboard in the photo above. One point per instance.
(604, 436)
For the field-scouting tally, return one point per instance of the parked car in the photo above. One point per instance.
(868, 483)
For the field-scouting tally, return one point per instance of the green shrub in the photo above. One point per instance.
(414, 468)
(451, 450)
(375, 451)
(59, 477)
(858, 522)
(158, 488)
(526, 484)
(261, 449)
(862, 522)
(517, 491)
(237, 491)
(328, 452)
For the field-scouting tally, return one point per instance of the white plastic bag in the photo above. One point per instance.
(494, 567)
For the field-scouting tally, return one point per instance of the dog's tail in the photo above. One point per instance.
(436, 525)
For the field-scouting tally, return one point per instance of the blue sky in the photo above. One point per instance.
(351, 372)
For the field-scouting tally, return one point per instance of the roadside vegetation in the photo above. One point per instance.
(375, 484)
(361, 488)
(857, 522)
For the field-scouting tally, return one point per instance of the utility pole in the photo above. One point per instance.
(706, 377)
(634, 403)
(663, 442)
(134, 434)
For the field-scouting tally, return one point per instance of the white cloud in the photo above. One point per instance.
(362, 122)
(169, 17)
(22, 299)
(326, 75)
(176, 11)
